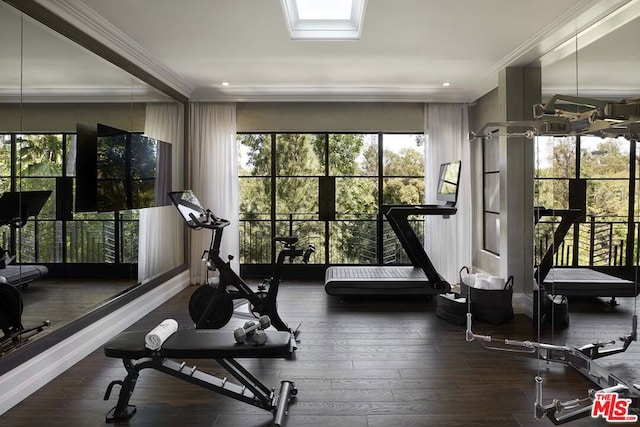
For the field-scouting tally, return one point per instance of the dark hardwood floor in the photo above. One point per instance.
(63, 300)
(362, 363)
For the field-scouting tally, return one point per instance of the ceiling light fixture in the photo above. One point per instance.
(446, 84)
(225, 83)
(324, 19)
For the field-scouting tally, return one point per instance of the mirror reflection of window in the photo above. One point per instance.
(90, 256)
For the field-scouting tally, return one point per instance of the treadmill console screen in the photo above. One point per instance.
(448, 182)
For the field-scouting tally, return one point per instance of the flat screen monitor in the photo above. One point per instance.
(448, 183)
(188, 204)
(119, 170)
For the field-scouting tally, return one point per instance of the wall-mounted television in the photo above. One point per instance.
(448, 183)
(119, 170)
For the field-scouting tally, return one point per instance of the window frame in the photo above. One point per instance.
(327, 173)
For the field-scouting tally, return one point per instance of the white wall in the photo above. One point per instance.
(330, 116)
(39, 117)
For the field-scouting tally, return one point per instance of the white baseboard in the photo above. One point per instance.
(22, 381)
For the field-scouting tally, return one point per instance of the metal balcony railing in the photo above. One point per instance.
(351, 241)
(79, 241)
(598, 243)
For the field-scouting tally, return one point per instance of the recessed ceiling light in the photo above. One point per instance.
(446, 84)
(324, 19)
(225, 83)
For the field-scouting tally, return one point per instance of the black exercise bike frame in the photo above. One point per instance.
(263, 303)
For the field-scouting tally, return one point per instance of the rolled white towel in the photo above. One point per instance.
(495, 283)
(481, 283)
(468, 279)
(158, 335)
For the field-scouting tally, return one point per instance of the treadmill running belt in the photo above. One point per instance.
(18, 275)
(376, 280)
(377, 272)
(587, 282)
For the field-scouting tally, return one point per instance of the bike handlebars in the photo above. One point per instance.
(212, 221)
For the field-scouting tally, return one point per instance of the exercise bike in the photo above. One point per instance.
(211, 306)
(14, 334)
(15, 210)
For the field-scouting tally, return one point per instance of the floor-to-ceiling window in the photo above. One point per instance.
(56, 235)
(327, 189)
(605, 236)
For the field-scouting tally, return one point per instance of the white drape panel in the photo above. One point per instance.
(161, 231)
(214, 171)
(165, 121)
(161, 241)
(162, 121)
(448, 241)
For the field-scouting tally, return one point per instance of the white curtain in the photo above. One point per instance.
(214, 171)
(165, 121)
(161, 232)
(448, 241)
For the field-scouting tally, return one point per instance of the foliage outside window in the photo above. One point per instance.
(31, 162)
(603, 237)
(280, 179)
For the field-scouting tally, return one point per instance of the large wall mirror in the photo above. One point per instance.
(592, 179)
(595, 175)
(87, 155)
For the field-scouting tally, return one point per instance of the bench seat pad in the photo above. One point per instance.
(199, 344)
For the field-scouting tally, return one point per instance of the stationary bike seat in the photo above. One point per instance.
(290, 240)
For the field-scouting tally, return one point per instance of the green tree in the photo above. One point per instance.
(369, 166)
(605, 165)
(40, 155)
(403, 167)
(343, 151)
(353, 160)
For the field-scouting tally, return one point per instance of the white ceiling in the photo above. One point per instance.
(407, 49)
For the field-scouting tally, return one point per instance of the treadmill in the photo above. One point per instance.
(15, 209)
(420, 278)
(576, 281)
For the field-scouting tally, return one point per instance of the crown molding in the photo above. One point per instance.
(328, 94)
(86, 20)
(558, 32)
(621, 16)
(80, 95)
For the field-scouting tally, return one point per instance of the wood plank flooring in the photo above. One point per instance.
(63, 300)
(362, 363)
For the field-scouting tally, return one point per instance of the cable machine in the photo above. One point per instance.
(615, 399)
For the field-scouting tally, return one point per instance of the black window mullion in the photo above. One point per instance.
(379, 216)
(327, 222)
(63, 222)
(13, 168)
(273, 196)
(631, 210)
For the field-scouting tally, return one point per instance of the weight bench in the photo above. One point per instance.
(202, 344)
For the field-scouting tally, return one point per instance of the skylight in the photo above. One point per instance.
(324, 9)
(324, 19)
